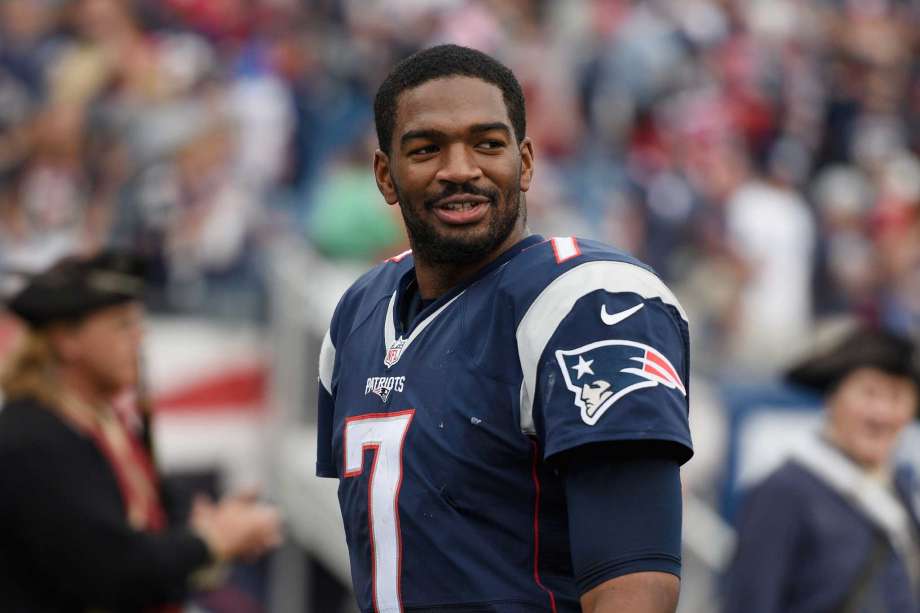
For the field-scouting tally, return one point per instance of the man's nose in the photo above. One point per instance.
(459, 165)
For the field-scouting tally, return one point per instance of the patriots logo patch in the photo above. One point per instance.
(602, 372)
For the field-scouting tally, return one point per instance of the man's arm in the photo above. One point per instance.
(624, 505)
(325, 409)
(646, 592)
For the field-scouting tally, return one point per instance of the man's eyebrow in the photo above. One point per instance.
(488, 127)
(432, 134)
(427, 133)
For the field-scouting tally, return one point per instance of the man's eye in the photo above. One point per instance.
(491, 144)
(426, 150)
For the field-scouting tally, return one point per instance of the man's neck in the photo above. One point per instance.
(435, 280)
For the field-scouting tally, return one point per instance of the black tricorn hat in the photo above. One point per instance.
(75, 287)
(860, 346)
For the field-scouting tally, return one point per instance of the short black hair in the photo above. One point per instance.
(437, 63)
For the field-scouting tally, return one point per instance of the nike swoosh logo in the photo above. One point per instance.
(615, 318)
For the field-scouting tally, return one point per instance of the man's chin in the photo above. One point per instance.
(465, 248)
(439, 243)
(455, 257)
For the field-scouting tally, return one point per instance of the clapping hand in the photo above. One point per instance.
(236, 527)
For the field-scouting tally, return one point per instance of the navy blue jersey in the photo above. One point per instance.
(443, 434)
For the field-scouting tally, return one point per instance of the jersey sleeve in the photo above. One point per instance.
(604, 352)
(325, 406)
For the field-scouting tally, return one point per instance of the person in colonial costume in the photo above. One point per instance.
(83, 524)
(835, 529)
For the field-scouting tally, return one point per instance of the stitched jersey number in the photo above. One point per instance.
(385, 433)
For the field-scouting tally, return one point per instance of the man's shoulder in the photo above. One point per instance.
(369, 289)
(560, 253)
(382, 278)
(792, 480)
(570, 266)
(27, 425)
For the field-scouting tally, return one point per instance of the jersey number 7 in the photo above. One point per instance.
(385, 433)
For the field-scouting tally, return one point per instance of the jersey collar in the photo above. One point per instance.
(394, 327)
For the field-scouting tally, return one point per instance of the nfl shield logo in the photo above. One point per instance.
(394, 352)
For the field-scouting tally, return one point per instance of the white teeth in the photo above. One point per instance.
(460, 206)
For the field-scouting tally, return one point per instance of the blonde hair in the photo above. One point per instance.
(30, 370)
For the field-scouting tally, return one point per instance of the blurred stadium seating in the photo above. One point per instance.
(762, 155)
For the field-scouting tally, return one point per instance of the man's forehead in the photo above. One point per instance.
(450, 103)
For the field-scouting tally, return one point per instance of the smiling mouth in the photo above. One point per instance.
(460, 206)
(460, 212)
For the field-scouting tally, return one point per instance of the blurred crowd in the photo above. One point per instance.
(760, 154)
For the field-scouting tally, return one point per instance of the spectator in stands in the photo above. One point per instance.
(836, 527)
(82, 508)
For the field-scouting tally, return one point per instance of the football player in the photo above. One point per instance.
(506, 414)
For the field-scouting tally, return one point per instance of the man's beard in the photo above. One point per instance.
(432, 247)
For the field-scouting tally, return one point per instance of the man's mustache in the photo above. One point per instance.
(454, 189)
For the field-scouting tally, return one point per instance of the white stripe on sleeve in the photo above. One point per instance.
(326, 362)
(556, 301)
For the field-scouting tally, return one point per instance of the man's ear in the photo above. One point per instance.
(384, 180)
(526, 163)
